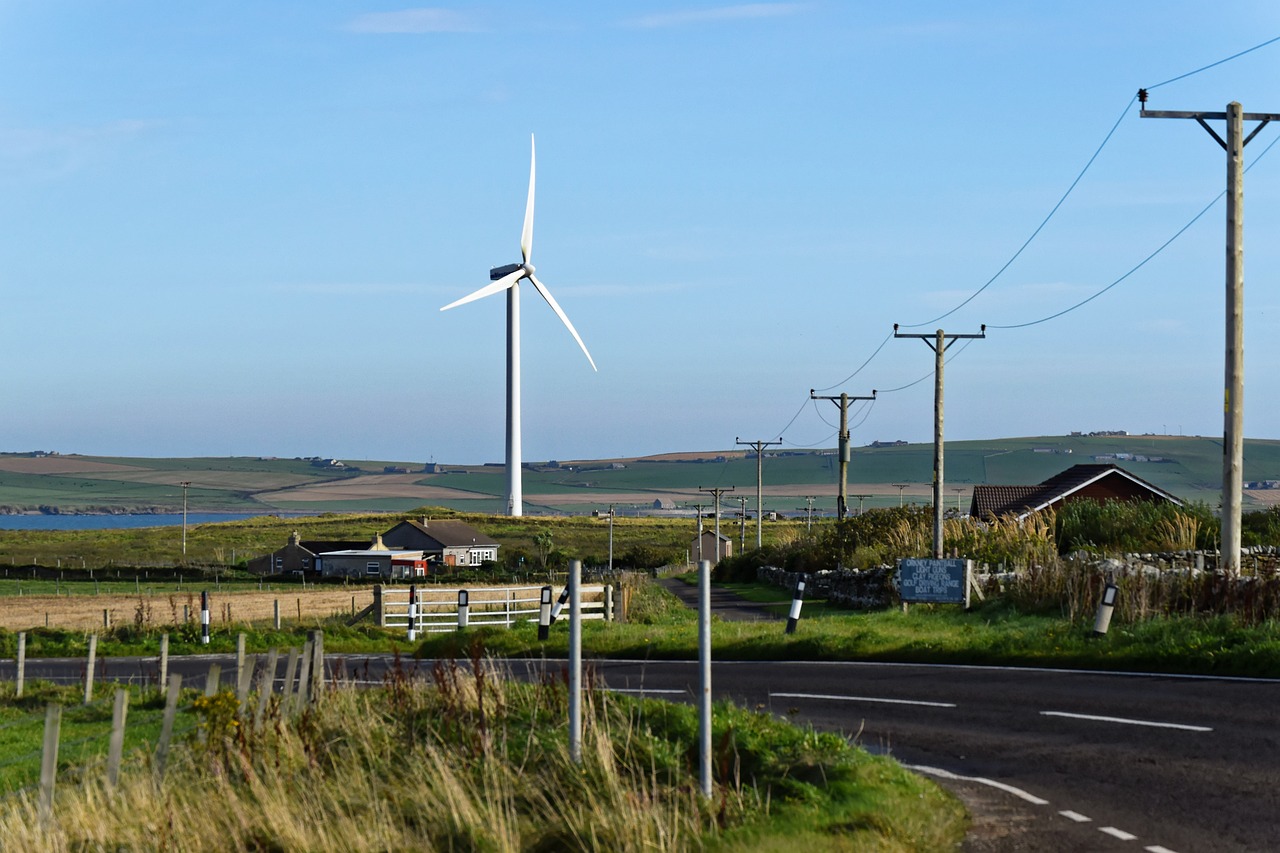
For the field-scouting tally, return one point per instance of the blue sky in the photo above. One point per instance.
(227, 229)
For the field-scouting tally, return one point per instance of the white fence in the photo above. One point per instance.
(440, 610)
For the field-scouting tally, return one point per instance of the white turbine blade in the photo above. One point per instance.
(488, 290)
(526, 234)
(564, 318)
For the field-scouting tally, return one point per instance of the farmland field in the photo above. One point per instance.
(1187, 466)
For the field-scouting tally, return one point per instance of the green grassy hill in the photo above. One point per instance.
(1188, 466)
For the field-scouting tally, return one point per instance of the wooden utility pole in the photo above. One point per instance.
(186, 484)
(939, 341)
(717, 492)
(842, 499)
(1233, 373)
(759, 447)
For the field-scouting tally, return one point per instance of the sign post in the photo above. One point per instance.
(935, 581)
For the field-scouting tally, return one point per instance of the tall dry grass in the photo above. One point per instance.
(465, 763)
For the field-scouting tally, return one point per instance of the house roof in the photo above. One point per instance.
(319, 546)
(453, 534)
(994, 501)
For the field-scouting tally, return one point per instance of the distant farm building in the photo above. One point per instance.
(1079, 482)
(298, 556)
(704, 547)
(664, 503)
(451, 543)
(409, 549)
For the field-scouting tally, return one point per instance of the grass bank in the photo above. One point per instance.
(478, 762)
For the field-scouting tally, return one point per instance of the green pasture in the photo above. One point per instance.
(232, 483)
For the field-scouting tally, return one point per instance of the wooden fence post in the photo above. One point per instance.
(290, 670)
(379, 609)
(276, 618)
(116, 744)
(22, 662)
(266, 686)
(49, 759)
(214, 679)
(317, 663)
(88, 672)
(106, 618)
(164, 661)
(166, 727)
(239, 656)
(244, 680)
(608, 602)
(304, 673)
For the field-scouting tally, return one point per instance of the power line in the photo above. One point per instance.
(860, 367)
(1141, 263)
(1039, 227)
(1214, 64)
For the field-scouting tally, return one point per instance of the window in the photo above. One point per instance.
(373, 568)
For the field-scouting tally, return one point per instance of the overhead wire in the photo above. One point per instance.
(1214, 64)
(1141, 263)
(1040, 227)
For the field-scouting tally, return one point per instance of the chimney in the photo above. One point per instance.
(377, 543)
(294, 538)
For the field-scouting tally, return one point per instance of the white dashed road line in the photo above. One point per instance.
(1126, 721)
(1009, 789)
(863, 699)
(1119, 834)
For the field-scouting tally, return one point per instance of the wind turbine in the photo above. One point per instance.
(508, 278)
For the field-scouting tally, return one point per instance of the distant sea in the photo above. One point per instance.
(109, 522)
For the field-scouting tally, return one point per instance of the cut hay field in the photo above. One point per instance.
(82, 610)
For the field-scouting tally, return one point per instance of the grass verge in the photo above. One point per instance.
(471, 760)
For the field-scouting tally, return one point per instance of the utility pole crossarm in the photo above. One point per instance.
(842, 401)
(759, 447)
(948, 339)
(716, 492)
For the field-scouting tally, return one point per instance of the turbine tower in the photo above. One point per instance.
(508, 278)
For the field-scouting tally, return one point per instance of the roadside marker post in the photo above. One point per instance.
(1106, 606)
(544, 614)
(464, 608)
(796, 603)
(204, 617)
(413, 613)
(560, 602)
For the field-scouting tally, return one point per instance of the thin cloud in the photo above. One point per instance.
(743, 11)
(53, 152)
(414, 21)
(355, 288)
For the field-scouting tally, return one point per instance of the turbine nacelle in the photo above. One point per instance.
(503, 271)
